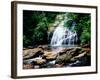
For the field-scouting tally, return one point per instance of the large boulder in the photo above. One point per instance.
(40, 61)
(63, 58)
(35, 61)
(49, 55)
(69, 55)
(32, 53)
(65, 50)
(79, 56)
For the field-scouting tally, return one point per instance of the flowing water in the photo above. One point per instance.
(64, 36)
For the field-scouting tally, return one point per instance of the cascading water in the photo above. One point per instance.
(64, 36)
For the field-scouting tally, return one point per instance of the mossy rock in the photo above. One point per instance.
(63, 58)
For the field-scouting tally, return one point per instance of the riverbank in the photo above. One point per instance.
(45, 57)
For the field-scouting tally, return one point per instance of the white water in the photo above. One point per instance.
(63, 36)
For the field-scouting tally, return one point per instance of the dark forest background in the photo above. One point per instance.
(36, 26)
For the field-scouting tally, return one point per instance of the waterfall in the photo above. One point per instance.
(64, 36)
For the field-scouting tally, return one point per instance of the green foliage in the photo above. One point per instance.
(82, 28)
(68, 24)
(85, 37)
(35, 27)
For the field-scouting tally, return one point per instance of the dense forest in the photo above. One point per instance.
(36, 25)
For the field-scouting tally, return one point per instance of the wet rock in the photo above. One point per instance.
(63, 51)
(48, 64)
(43, 57)
(37, 60)
(76, 63)
(29, 61)
(52, 62)
(63, 58)
(79, 56)
(24, 48)
(32, 53)
(88, 50)
(75, 51)
(86, 46)
(49, 55)
(40, 61)
(36, 67)
(27, 66)
(45, 47)
(82, 61)
(59, 65)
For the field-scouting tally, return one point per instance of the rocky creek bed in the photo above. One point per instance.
(44, 57)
